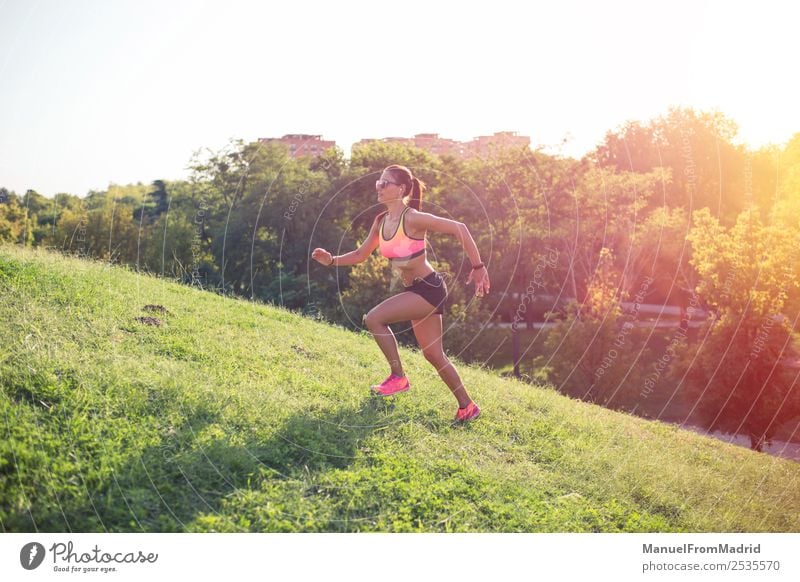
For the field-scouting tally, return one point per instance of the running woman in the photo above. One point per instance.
(400, 233)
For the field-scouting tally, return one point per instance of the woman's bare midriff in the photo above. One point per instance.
(410, 269)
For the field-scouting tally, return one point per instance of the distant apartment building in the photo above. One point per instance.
(431, 142)
(301, 144)
(481, 146)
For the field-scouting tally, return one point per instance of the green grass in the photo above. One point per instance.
(236, 416)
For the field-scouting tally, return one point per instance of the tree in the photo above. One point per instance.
(35, 203)
(6, 196)
(604, 208)
(590, 352)
(662, 252)
(262, 209)
(169, 247)
(509, 203)
(750, 275)
(707, 170)
(16, 225)
(99, 228)
(154, 204)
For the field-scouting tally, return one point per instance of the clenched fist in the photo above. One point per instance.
(322, 256)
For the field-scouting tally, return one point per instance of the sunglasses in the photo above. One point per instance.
(381, 184)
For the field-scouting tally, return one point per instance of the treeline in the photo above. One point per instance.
(672, 211)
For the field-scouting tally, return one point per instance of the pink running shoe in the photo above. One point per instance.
(392, 385)
(471, 412)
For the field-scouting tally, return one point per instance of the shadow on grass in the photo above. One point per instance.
(183, 477)
(88, 468)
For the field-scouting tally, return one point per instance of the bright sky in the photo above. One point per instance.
(94, 92)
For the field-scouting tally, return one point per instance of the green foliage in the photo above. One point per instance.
(261, 210)
(750, 277)
(736, 379)
(168, 249)
(605, 210)
(368, 286)
(698, 149)
(35, 203)
(372, 158)
(750, 268)
(15, 223)
(590, 353)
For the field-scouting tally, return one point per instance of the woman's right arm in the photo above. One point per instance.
(353, 257)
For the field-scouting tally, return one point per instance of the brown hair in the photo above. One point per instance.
(413, 185)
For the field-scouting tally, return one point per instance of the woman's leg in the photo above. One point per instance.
(404, 306)
(428, 331)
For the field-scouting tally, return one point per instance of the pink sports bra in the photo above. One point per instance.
(400, 246)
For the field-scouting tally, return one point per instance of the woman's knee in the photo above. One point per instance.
(372, 320)
(435, 356)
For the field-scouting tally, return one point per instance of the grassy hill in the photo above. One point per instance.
(235, 416)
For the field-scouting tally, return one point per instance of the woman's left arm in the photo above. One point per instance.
(424, 221)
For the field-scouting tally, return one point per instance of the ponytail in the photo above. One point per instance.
(417, 188)
(414, 185)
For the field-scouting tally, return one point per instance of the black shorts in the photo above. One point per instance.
(432, 288)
